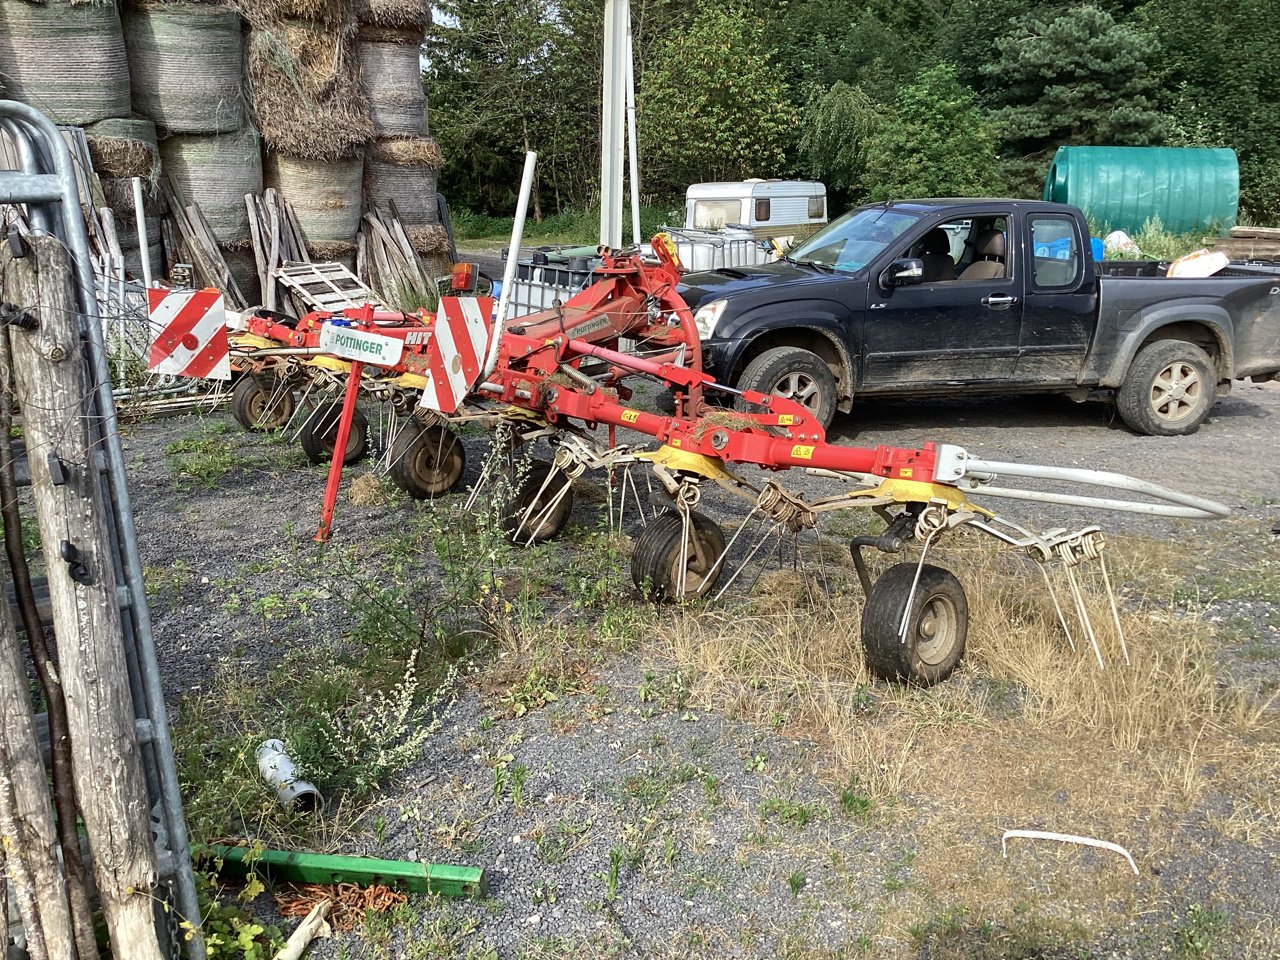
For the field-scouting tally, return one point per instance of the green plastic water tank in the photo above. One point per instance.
(1121, 188)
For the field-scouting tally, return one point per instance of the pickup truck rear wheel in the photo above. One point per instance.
(796, 374)
(1168, 390)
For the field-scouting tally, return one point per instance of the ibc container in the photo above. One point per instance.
(1121, 188)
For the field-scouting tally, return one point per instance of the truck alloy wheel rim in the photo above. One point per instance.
(936, 630)
(1176, 391)
(799, 387)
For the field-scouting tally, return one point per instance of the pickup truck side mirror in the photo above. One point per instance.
(903, 273)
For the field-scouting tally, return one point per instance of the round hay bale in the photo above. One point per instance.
(118, 193)
(67, 60)
(244, 270)
(343, 253)
(325, 195)
(124, 148)
(392, 76)
(429, 241)
(185, 61)
(216, 173)
(133, 260)
(413, 14)
(330, 12)
(304, 87)
(403, 173)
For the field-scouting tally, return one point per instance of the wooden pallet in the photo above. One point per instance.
(328, 287)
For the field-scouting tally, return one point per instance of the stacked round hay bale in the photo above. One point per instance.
(64, 58)
(118, 194)
(402, 165)
(121, 150)
(304, 82)
(186, 63)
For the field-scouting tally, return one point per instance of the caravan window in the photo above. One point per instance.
(762, 211)
(714, 214)
(817, 208)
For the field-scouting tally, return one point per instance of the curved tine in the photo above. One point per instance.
(547, 511)
(746, 561)
(732, 540)
(915, 582)
(685, 524)
(1053, 595)
(1115, 612)
(302, 405)
(1082, 613)
(529, 509)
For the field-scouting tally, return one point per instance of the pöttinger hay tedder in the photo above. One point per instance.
(565, 377)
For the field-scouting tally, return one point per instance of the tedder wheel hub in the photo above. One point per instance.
(320, 433)
(427, 462)
(541, 504)
(668, 565)
(937, 624)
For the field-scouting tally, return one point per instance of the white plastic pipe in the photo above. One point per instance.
(144, 242)
(279, 770)
(513, 254)
(633, 149)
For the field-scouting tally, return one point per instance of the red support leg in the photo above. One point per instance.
(339, 451)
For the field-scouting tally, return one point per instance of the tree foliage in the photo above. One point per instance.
(873, 97)
(1075, 76)
(935, 144)
(833, 141)
(711, 104)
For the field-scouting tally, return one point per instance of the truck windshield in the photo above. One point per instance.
(853, 241)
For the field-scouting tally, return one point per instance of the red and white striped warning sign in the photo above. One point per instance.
(189, 334)
(457, 352)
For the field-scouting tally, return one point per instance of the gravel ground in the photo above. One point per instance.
(627, 819)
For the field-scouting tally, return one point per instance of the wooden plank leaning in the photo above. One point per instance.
(53, 388)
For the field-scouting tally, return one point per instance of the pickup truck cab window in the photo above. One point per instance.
(853, 241)
(1055, 252)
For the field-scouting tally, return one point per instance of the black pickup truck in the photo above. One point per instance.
(929, 297)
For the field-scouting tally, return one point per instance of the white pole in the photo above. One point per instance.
(633, 149)
(513, 254)
(144, 242)
(617, 14)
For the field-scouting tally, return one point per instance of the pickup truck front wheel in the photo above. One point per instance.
(796, 374)
(1168, 390)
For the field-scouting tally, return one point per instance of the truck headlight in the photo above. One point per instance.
(707, 316)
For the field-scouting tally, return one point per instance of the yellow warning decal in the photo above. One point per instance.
(630, 416)
(674, 442)
(905, 473)
(786, 419)
(802, 452)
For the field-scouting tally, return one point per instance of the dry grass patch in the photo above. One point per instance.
(1027, 734)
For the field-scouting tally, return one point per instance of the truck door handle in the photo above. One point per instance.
(999, 301)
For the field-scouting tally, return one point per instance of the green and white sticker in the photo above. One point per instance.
(351, 344)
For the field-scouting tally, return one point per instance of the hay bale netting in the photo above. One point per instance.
(65, 59)
(392, 76)
(304, 88)
(124, 148)
(404, 172)
(325, 196)
(185, 60)
(216, 173)
(133, 260)
(244, 270)
(394, 14)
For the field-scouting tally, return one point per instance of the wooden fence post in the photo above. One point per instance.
(54, 389)
(26, 818)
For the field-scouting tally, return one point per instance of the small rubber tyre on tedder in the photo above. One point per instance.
(937, 624)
